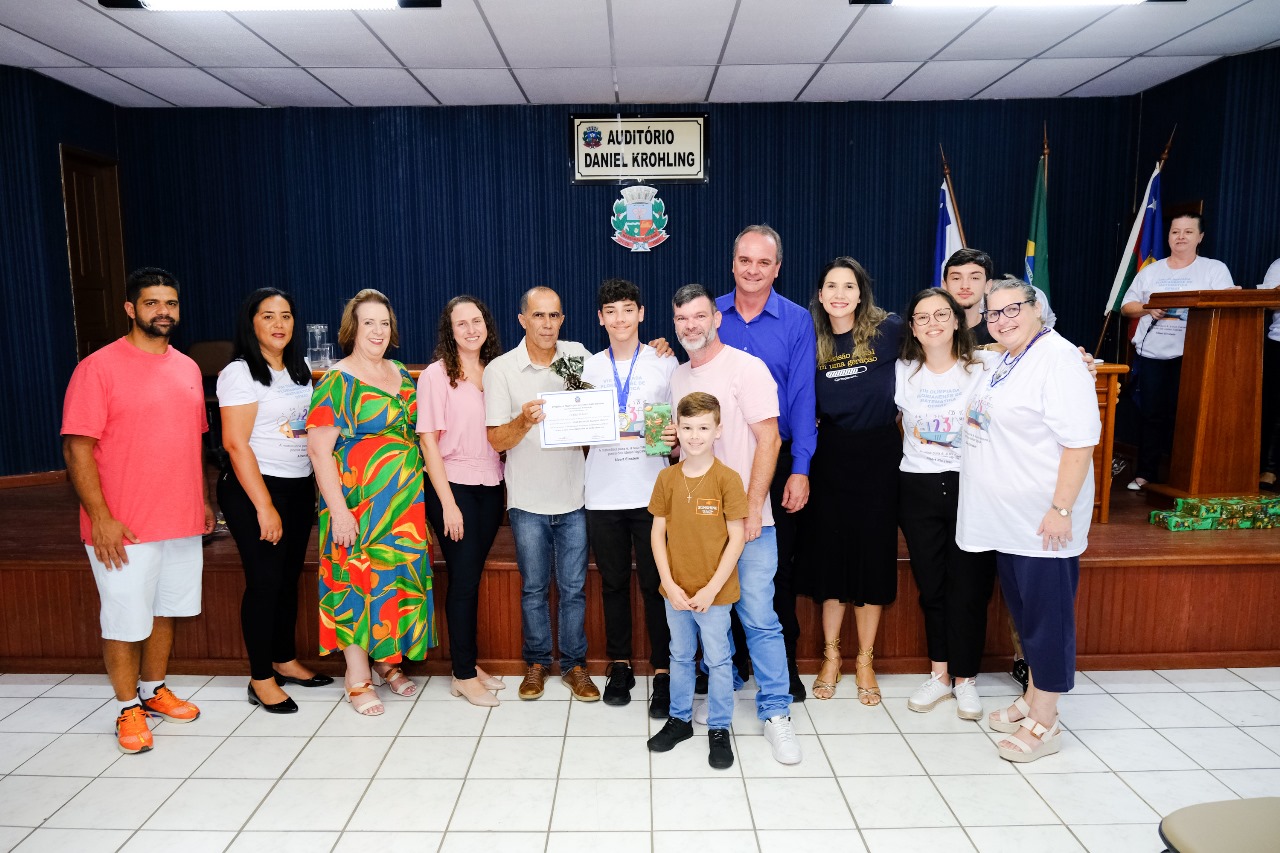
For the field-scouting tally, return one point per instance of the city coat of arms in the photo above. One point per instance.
(639, 218)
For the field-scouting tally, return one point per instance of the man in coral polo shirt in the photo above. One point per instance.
(131, 428)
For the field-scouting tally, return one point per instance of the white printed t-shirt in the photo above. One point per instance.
(934, 406)
(1013, 439)
(621, 475)
(547, 482)
(747, 394)
(1269, 281)
(279, 437)
(1164, 341)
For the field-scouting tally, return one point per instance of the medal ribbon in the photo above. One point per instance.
(624, 390)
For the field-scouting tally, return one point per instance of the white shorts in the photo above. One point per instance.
(161, 579)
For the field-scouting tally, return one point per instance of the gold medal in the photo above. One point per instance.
(624, 421)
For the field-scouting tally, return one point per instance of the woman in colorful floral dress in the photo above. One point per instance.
(375, 563)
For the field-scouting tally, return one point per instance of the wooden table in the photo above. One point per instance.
(1108, 388)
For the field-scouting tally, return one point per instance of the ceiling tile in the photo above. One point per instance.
(320, 39)
(567, 85)
(185, 87)
(102, 85)
(760, 82)
(203, 38)
(957, 80)
(22, 52)
(376, 87)
(1048, 78)
(794, 31)
(857, 81)
(1245, 28)
(1130, 30)
(84, 33)
(452, 36)
(1010, 32)
(890, 33)
(279, 87)
(643, 34)
(551, 34)
(471, 86)
(1139, 74)
(664, 85)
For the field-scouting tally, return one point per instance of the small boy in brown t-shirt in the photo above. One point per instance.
(698, 508)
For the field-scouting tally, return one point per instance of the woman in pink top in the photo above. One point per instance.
(465, 498)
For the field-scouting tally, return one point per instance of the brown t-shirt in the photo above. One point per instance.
(696, 530)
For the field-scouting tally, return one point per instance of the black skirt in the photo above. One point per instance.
(848, 543)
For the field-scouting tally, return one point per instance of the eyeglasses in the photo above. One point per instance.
(942, 315)
(1013, 309)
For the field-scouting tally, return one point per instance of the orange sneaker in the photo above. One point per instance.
(132, 732)
(164, 704)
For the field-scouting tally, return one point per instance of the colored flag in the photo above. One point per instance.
(1146, 242)
(947, 241)
(1037, 256)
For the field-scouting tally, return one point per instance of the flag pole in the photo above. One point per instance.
(1164, 155)
(946, 176)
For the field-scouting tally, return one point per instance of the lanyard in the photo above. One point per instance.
(624, 389)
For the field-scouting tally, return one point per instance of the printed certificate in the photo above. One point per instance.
(576, 418)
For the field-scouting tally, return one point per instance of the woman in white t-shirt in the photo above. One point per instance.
(938, 371)
(1026, 492)
(267, 493)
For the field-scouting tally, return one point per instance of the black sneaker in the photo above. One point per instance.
(620, 678)
(700, 684)
(720, 755)
(672, 733)
(660, 701)
(797, 687)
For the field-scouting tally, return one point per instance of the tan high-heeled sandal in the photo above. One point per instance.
(827, 689)
(867, 695)
(394, 674)
(371, 708)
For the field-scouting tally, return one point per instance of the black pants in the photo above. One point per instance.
(1270, 407)
(613, 533)
(955, 585)
(269, 608)
(481, 508)
(1158, 406)
(784, 523)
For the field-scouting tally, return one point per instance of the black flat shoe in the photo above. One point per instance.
(288, 706)
(313, 681)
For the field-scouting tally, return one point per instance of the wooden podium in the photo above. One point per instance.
(1216, 443)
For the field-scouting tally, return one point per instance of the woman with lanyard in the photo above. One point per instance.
(1026, 492)
(848, 543)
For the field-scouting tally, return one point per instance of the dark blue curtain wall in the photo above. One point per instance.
(426, 203)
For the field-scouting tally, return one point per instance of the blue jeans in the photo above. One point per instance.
(756, 568)
(713, 626)
(547, 544)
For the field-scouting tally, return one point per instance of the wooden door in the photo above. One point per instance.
(95, 246)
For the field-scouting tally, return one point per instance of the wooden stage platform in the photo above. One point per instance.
(1149, 599)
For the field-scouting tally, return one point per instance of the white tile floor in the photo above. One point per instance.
(436, 774)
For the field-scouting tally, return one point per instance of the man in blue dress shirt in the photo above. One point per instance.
(763, 322)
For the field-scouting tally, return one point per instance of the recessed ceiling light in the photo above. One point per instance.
(1038, 4)
(265, 5)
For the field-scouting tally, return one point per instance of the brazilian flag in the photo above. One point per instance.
(1037, 256)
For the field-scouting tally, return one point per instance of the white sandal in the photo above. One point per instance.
(999, 721)
(1049, 742)
(365, 708)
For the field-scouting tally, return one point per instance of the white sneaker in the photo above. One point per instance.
(929, 694)
(701, 711)
(968, 705)
(782, 738)
(1136, 484)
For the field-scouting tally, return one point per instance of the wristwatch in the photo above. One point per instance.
(1062, 511)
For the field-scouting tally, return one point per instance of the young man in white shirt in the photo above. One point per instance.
(1160, 336)
(619, 483)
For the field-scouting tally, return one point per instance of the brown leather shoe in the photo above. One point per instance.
(581, 685)
(534, 679)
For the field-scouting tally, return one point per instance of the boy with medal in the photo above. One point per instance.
(619, 483)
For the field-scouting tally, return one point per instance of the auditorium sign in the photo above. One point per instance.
(623, 148)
